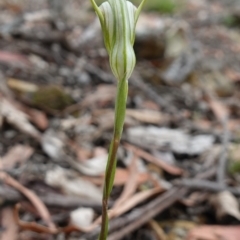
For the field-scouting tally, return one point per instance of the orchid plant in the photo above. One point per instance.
(118, 20)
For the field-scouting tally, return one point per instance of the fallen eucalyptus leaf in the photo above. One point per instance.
(17, 118)
(225, 204)
(72, 185)
(178, 141)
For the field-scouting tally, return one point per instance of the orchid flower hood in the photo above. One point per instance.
(118, 20)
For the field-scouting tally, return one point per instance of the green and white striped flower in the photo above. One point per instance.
(118, 20)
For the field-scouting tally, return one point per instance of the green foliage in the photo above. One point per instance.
(231, 21)
(234, 167)
(163, 6)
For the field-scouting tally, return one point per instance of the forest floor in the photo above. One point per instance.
(178, 171)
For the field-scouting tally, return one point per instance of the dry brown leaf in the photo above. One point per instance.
(225, 203)
(33, 198)
(1, 121)
(233, 124)
(32, 226)
(39, 118)
(150, 158)
(219, 110)
(203, 124)
(149, 105)
(214, 233)
(16, 155)
(17, 118)
(146, 116)
(158, 230)
(104, 94)
(121, 177)
(233, 75)
(132, 202)
(131, 184)
(9, 225)
(4, 90)
(73, 185)
(21, 86)
(81, 152)
(84, 120)
(14, 59)
(105, 119)
(195, 198)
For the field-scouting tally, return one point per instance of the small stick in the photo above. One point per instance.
(149, 211)
(221, 171)
(207, 186)
(121, 226)
(150, 158)
(10, 195)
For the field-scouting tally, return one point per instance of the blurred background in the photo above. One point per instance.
(178, 165)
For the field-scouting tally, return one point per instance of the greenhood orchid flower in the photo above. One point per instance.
(118, 20)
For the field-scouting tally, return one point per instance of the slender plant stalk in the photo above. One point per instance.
(120, 109)
(118, 20)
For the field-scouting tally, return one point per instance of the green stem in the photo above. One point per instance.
(120, 109)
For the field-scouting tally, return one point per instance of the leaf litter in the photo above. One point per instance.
(56, 120)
